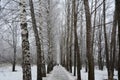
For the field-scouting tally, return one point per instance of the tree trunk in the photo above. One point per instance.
(63, 50)
(81, 36)
(43, 67)
(106, 42)
(14, 48)
(100, 60)
(67, 39)
(14, 59)
(71, 40)
(73, 3)
(88, 42)
(113, 46)
(76, 47)
(94, 24)
(71, 37)
(86, 65)
(50, 36)
(117, 4)
(37, 39)
(26, 66)
(41, 39)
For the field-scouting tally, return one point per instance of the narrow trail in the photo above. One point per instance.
(59, 73)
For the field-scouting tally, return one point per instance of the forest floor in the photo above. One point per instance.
(58, 73)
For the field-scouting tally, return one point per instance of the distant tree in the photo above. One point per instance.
(76, 46)
(106, 41)
(14, 46)
(11, 31)
(12, 42)
(62, 47)
(94, 27)
(41, 37)
(100, 59)
(51, 33)
(67, 35)
(110, 55)
(71, 37)
(26, 66)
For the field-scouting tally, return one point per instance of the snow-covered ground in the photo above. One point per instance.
(99, 75)
(58, 73)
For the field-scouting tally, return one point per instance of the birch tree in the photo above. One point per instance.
(26, 66)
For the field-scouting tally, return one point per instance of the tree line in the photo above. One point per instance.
(90, 37)
(87, 34)
(26, 20)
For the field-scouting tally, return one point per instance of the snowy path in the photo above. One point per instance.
(59, 73)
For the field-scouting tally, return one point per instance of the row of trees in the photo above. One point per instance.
(97, 44)
(38, 25)
(39, 37)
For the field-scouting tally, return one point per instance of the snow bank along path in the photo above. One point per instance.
(59, 73)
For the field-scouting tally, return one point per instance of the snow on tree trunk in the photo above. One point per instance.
(26, 66)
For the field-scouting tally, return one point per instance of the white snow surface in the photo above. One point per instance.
(58, 73)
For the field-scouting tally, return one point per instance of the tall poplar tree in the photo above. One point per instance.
(89, 41)
(37, 40)
(76, 46)
(117, 4)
